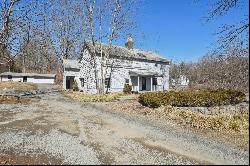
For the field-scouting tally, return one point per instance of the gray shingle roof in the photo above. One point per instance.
(123, 52)
(27, 74)
(72, 64)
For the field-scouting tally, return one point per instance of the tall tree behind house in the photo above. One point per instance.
(106, 21)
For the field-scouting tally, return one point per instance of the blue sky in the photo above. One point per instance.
(175, 29)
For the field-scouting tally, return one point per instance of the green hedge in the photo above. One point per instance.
(205, 98)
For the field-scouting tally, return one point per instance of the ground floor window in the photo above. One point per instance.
(107, 82)
(82, 82)
(154, 81)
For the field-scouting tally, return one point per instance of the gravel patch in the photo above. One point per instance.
(56, 144)
(84, 133)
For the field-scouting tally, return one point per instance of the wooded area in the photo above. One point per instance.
(37, 35)
(228, 70)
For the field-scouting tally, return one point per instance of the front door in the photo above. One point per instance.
(67, 84)
(143, 79)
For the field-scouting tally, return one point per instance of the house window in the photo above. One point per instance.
(82, 82)
(126, 81)
(107, 82)
(25, 78)
(10, 77)
(154, 81)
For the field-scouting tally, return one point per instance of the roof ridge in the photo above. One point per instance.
(114, 45)
(130, 53)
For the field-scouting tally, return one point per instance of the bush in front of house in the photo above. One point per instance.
(204, 98)
(75, 86)
(127, 89)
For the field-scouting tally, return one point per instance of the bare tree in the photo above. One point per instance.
(90, 32)
(227, 70)
(67, 27)
(120, 22)
(35, 46)
(37, 51)
(7, 23)
(26, 34)
(54, 25)
(229, 34)
(17, 24)
(107, 21)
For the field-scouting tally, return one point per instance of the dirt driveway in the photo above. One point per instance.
(56, 130)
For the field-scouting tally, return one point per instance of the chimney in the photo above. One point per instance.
(129, 43)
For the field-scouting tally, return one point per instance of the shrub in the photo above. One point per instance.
(75, 86)
(204, 98)
(127, 89)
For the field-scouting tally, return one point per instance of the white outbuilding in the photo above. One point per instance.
(28, 77)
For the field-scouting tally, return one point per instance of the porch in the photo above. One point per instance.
(144, 82)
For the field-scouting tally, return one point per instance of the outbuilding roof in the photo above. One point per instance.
(28, 74)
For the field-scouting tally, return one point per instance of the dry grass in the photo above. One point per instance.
(12, 100)
(236, 122)
(79, 96)
(17, 86)
(230, 127)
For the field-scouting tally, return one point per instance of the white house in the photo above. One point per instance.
(28, 77)
(143, 70)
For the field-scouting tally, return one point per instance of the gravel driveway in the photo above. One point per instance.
(56, 130)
